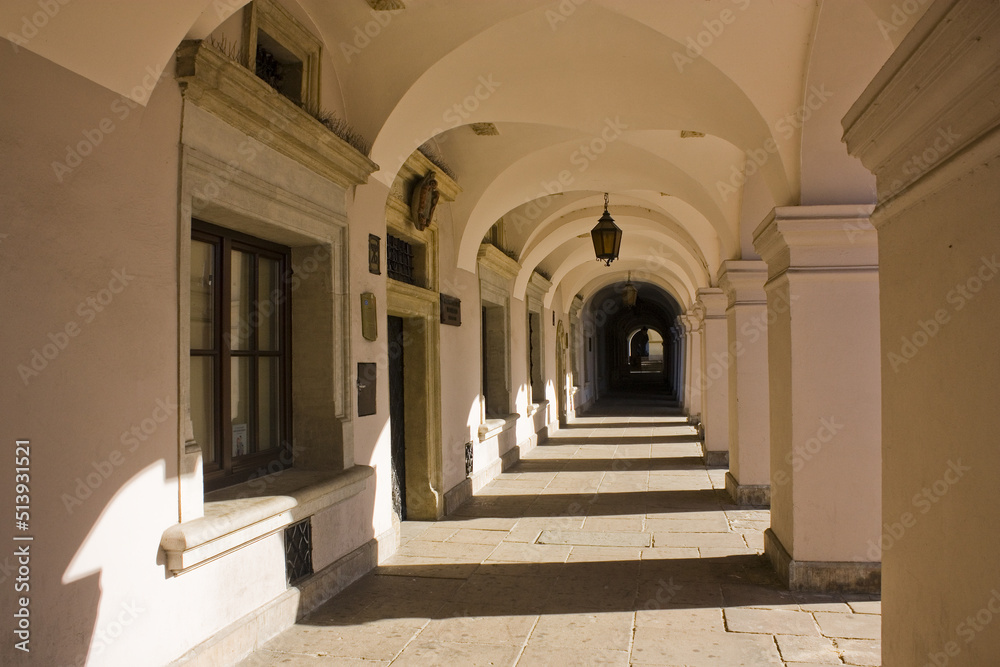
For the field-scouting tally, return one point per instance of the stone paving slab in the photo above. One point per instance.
(771, 621)
(704, 649)
(584, 538)
(540, 655)
(867, 652)
(850, 626)
(437, 653)
(816, 650)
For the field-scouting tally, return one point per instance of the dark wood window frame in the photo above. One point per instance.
(228, 469)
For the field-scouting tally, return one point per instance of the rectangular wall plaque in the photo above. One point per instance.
(374, 255)
(366, 388)
(369, 321)
(451, 310)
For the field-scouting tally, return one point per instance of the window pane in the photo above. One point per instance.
(241, 406)
(269, 403)
(202, 295)
(239, 327)
(268, 304)
(203, 405)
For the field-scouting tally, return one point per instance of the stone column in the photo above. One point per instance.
(825, 394)
(692, 394)
(937, 163)
(677, 341)
(748, 479)
(713, 378)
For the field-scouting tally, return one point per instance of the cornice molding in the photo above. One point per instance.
(231, 92)
(743, 281)
(712, 302)
(817, 238)
(492, 258)
(918, 123)
(538, 286)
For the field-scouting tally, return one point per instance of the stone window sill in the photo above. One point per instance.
(494, 427)
(535, 407)
(242, 514)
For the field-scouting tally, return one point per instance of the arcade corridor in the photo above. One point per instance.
(341, 332)
(611, 543)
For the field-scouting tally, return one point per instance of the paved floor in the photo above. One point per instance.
(611, 544)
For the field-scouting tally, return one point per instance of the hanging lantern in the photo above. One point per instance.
(607, 237)
(629, 293)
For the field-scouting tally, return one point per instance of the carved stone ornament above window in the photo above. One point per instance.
(424, 201)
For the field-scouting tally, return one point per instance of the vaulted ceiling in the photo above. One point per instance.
(697, 116)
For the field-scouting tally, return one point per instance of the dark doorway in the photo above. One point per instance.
(397, 425)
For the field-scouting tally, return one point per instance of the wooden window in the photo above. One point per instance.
(240, 354)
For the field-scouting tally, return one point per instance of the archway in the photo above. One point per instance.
(618, 329)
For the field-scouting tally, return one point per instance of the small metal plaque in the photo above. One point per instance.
(369, 322)
(366, 388)
(374, 255)
(451, 310)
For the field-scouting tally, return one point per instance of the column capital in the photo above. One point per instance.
(830, 237)
(907, 128)
(743, 281)
(712, 302)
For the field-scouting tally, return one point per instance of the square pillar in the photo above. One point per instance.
(939, 291)
(748, 479)
(692, 395)
(677, 372)
(713, 375)
(825, 395)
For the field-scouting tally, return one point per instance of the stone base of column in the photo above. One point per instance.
(822, 576)
(748, 495)
(715, 458)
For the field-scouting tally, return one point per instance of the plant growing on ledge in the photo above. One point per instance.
(431, 154)
(338, 126)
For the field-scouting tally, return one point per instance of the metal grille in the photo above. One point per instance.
(399, 259)
(468, 459)
(298, 551)
(268, 68)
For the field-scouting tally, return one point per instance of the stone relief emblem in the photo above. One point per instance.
(424, 201)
